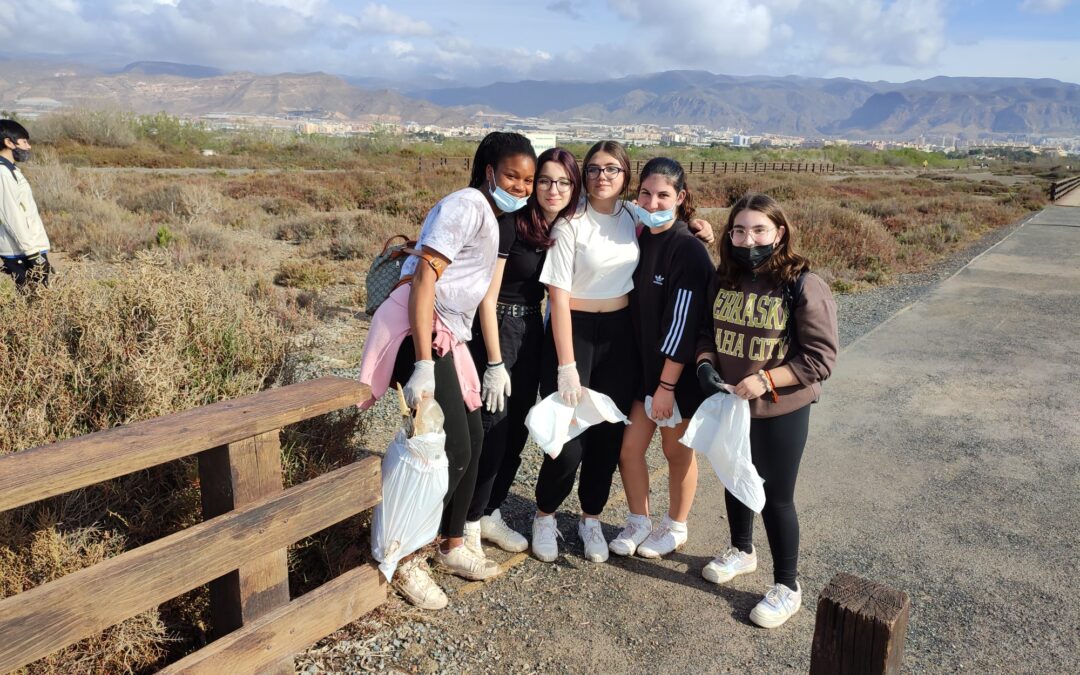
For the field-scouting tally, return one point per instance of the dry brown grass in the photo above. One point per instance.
(91, 352)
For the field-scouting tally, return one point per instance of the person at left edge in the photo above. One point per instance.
(461, 236)
(24, 246)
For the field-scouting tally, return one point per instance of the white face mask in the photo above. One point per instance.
(506, 202)
(654, 218)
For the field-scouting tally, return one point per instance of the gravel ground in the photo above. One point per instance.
(606, 623)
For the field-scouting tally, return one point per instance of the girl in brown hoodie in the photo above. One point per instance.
(772, 337)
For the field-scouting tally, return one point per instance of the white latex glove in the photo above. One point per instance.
(569, 384)
(496, 387)
(421, 383)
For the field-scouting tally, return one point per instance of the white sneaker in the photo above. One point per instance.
(777, 606)
(636, 530)
(472, 538)
(545, 538)
(596, 547)
(494, 529)
(729, 565)
(667, 537)
(415, 584)
(461, 561)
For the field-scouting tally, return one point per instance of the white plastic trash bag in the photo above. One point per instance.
(720, 430)
(415, 477)
(552, 423)
(673, 421)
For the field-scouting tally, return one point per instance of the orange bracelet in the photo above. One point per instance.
(772, 387)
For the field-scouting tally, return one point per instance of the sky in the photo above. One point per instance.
(478, 42)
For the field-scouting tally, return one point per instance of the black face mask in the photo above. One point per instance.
(20, 155)
(752, 258)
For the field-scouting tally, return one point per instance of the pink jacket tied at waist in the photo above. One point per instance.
(389, 327)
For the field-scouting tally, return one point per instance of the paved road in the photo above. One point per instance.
(944, 460)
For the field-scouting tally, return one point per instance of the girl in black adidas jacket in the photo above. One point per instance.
(670, 285)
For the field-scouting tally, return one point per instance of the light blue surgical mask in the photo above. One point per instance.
(506, 202)
(654, 219)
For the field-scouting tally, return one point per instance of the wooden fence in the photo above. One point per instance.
(239, 549)
(1063, 187)
(465, 163)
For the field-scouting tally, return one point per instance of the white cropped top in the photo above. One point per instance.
(594, 255)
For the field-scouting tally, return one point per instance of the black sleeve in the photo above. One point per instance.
(688, 288)
(706, 331)
(507, 233)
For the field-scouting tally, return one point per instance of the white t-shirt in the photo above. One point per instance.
(463, 228)
(594, 254)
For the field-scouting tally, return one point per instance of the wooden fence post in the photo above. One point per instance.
(231, 476)
(861, 627)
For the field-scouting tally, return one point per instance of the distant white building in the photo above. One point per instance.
(541, 140)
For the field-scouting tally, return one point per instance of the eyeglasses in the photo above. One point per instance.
(561, 185)
(594, 170)
(754, 234)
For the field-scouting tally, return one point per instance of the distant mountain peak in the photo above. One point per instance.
(170, 68)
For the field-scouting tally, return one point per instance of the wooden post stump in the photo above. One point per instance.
(861, 627)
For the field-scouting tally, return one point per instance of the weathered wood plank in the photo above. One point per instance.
(231, 476)
(286, 630)
(860, 628)
(47, 618)
(50, 470)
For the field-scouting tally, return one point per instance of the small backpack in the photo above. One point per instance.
(384, 275)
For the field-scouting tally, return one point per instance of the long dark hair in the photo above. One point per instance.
(673, 171)
(532, 227)
(785, 265)
(616, 150)
(494, 148)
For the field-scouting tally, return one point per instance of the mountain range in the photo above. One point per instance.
(810, 107)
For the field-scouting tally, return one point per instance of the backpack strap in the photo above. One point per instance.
(437, 264)
(793, 293)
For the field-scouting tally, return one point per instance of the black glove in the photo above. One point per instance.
(708, 379)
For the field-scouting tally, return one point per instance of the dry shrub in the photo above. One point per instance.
(99, 352)
(315, 274)
(186, 201)
(107, 128)
(150, 340)
(844, 245)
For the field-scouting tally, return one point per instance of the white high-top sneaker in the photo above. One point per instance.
(494, 529)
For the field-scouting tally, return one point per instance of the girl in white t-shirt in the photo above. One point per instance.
(589, 273)
(418, 338)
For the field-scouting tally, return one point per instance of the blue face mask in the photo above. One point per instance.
(655, 219)
(506, 202)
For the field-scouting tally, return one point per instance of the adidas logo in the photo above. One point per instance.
(658, 280)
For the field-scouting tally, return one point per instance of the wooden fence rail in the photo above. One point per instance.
(1063, 187)
(695, 167)
(239, 549)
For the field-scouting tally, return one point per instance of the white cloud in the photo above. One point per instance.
(703, 32)
(381, 19)
(1044, 6)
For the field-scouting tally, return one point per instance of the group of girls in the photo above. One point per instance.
(639, 313)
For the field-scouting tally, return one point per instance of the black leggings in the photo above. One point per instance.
(521, 341)
(464, 435)
(776, 447)
(607, 362)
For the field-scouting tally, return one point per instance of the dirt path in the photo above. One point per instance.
(943, 461)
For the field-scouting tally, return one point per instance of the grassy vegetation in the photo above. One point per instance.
(181, 289)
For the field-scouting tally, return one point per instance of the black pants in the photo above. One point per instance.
(607, 362)
(776, 447)
(521, 340)
(464, 435)
(23, 272)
